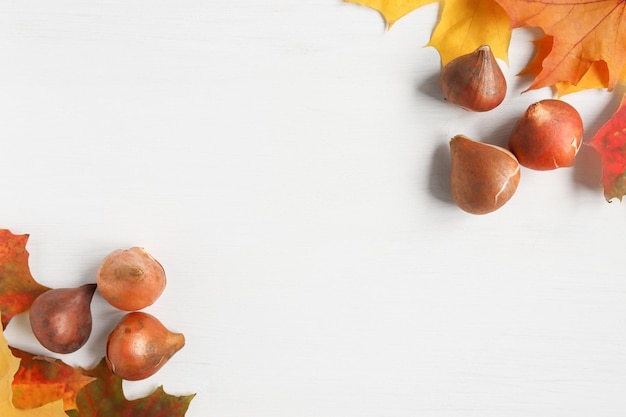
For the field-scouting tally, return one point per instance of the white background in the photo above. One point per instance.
(287, 162)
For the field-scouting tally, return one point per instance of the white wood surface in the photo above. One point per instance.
(287, 162)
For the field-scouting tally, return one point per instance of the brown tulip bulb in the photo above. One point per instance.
(474, 81)
(547, 136)
(483, 177)
(140, 345)
(61, 318)
(130, 279)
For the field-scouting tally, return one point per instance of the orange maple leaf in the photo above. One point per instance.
(18, 288)
(9, 365)
(40, 380)
(586, 35)
(597, 76)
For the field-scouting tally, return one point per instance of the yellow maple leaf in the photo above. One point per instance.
(465, 25)
(9, 365)
(392, 10)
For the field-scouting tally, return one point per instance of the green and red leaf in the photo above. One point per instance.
(104, 397)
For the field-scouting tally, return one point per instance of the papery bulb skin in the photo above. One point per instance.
(61, 318)
(474, 81)
(548, 136)
(140, 345)
(483, 177)
(130, 279)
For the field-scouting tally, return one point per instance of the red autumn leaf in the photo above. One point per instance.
(40, 380)
(18, 288)
(610, 142)
(104, 397)
(584, 32)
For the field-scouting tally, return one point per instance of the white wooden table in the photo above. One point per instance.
(287, 163)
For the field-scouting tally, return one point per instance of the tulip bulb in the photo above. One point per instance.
(547, 136)
(130, 279)
(474, 81)
(61, 318)
(483, 177)
(140, 345)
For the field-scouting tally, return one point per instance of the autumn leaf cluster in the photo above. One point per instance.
(583, 43)
(38, 386)
(581, 46)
